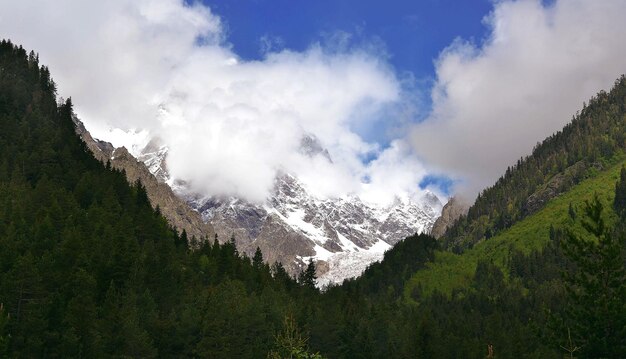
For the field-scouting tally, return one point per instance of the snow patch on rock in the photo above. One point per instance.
(344, 235)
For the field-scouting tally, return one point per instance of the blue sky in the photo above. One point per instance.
(413, 32)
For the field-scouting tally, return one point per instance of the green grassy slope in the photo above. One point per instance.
(450, 271)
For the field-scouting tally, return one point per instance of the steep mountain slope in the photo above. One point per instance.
(88, 269)
(160, 194)
(535, 194)
(595, 134)
(451, 271)
(342, 235)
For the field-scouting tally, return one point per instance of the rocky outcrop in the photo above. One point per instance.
(558, 184)
(174, 209)
(292, 226)
(280, 243)
(453, 210)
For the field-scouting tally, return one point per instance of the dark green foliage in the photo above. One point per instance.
(595, 315)
(4, 337)
(591, 139)
(257, 260)
(506, 314)
(89, 269)
(571, 212)
(290, 343)
(389, 276)
(488, 279)
(307, 277)
(364, 318)
(619, 204)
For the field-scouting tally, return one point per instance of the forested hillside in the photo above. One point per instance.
(451, 271)
(89, 269)
(582, 148)
(553, 215)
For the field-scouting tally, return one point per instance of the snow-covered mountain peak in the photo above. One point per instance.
(343, 235)
(153, 155)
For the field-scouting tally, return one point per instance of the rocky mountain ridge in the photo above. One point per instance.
(342, 235)
(160, 194)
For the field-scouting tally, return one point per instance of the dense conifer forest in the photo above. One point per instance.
(88, 269)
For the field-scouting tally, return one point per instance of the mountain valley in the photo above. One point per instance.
(104, 255)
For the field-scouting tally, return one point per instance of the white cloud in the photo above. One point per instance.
(493, 102)
(164, 68)
(397, 167)
(232, 126)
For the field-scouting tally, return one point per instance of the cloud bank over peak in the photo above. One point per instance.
(492, 102)
(164, 68)
(248, 118)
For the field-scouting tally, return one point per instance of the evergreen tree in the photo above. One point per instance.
(571, 212)
(185, 240)
(488, 279)
(595, 317)
(619, 204)
(257, 260)
(4, 336)
(280, 275)
(308, 277)
(290, 343)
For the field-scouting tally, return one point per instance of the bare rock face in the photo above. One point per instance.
(557, 185)
(175, 210)
(343, 235)
(279, 242)
(101, 150)
(453, 210)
